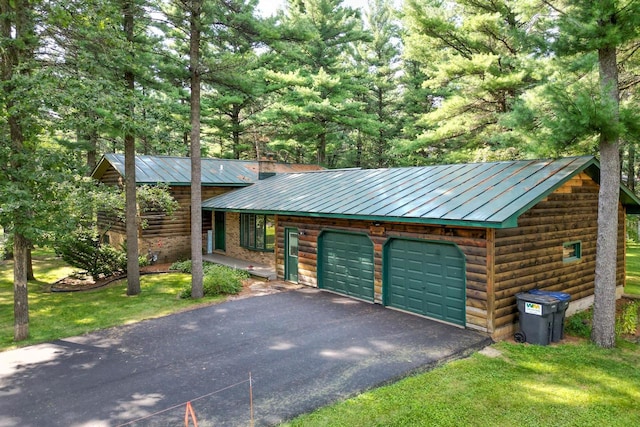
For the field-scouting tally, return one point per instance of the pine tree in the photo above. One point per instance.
(379, 62)
(318, 104)
(18, 44)
(476, 55)
(602, 28)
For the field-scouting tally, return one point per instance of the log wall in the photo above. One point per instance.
(472, 243)
(168, 237)
(531, 255)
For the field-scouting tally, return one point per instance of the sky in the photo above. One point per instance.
(269, 7)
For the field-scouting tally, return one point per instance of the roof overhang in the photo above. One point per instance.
(372, 218)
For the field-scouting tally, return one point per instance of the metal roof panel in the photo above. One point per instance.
(477, 194)
(177, 170)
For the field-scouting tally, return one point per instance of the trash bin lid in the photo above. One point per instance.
(562, 296)
(541, 299)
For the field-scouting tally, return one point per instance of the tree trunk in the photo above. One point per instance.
(17, 29)
(20, 295)
(604, 308)
(236, 131)
(131, 210)
(322, 147)
(92, 151)
(30, 275)
(196, 169)
(631, 168)
(359, 149)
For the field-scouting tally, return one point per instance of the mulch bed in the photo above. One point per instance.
(84, 282)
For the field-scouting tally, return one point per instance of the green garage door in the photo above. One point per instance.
(427, 278)
(346, 264)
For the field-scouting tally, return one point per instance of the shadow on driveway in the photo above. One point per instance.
(304, 349)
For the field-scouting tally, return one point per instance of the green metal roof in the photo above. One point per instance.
(479, 194)
(177, 170)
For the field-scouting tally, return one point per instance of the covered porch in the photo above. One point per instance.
(262, 271)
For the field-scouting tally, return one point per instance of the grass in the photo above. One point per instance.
(58, 315)
(564, 385)
(632, 285)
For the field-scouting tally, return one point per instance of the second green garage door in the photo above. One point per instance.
(346, 264)
(426, 278)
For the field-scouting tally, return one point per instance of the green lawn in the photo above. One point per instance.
(527, 385)
(633, 269)
(57, 315)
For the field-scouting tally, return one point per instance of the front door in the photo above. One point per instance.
(291, 255)
(218, 226)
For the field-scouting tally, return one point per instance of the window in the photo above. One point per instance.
(571, 251)
(257, 232)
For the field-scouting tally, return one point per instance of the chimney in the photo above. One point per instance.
(266, 166)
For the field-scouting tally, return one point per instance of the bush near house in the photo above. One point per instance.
(83, 249)
(217, 280)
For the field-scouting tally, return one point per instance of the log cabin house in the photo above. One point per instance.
(166, 238)
(455, 243)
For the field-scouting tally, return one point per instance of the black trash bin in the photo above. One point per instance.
(558, 317)
(536, 318)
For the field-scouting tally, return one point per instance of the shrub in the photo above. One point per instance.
(217, 280)
(181, 266)
(143, 261)
(82, 249)
(579, 324)
(627, 319)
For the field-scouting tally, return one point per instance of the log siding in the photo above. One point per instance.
(167, 237)
(499, 262)
(531, 255)
(472, 242)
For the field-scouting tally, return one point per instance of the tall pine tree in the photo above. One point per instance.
(477, 56)
(318, 102)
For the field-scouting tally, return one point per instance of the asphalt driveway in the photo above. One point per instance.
(303, 349)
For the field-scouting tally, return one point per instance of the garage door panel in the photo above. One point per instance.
(346, 264)
(427, 278)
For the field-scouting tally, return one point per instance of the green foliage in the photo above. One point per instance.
(153, 200)
(181, 266)
(156, 198)
(632, 229)
(143, 261)
(6, 245)
(218, 279)
(477, 60)
(319, 102)
(627, 319)
(82, 249)
(579, 324)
